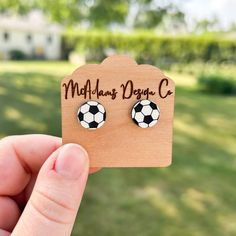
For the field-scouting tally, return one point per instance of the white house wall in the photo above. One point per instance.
(53, 50)
(18, 40)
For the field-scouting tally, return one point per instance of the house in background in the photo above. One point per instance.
(31, 35)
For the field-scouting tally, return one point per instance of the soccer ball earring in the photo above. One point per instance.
(92, 114)
(145, 113)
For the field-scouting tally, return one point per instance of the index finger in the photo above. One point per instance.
(20, 156)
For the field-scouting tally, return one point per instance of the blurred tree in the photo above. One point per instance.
(21, 6)
(97, 13)
(173, 23)
(150, 14)
(207, 25)
(68, 12)
(104, 12)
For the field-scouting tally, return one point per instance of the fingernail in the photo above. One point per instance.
(72, 161)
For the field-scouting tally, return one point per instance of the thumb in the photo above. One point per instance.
(53, 205)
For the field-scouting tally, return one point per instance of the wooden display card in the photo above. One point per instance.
(118, 83)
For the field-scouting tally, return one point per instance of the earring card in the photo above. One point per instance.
(118, 83)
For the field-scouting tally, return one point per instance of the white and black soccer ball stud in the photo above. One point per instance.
(92, 115)
(145, 113)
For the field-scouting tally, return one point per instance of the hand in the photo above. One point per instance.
(61, 173)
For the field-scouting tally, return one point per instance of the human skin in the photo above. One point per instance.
(41, 185)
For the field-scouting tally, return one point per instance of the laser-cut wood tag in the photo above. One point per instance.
(118, 83)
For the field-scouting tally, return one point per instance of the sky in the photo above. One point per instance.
(224, 10)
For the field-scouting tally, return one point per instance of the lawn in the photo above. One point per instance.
(195, 196)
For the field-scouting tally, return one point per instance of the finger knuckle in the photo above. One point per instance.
(51, 209)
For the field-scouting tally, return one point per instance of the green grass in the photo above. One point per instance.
(195, 196)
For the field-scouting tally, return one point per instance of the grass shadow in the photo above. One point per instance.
(30, 103)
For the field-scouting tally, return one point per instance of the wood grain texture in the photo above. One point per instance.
(120, 142)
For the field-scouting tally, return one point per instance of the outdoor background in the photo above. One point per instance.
(193, 42)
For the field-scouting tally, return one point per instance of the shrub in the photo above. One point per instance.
(217, 84)
(17, 55)
(150, 48)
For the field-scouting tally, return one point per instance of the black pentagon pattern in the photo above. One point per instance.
(148, 119)
(104, 116)
(138, 108)
(81, 116)
(93, 109)
(93, 125)
(153, 106)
